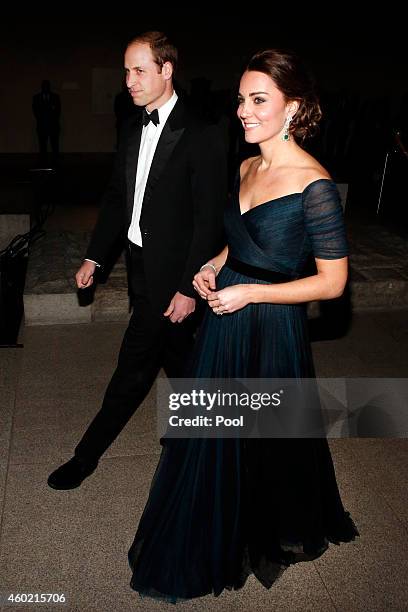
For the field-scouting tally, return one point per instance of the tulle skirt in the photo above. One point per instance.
(221, 509)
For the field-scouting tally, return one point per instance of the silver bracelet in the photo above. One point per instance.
(210, 265)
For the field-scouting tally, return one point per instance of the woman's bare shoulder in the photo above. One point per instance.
(310, 171)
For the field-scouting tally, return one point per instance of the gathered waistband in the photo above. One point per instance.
(271, 276)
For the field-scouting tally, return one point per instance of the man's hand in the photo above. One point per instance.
(84, 276)
(180, 307)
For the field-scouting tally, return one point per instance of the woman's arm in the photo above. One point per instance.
(328, 283)
(218, 261)
(204, 280)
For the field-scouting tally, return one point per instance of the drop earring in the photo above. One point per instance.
(286, 135)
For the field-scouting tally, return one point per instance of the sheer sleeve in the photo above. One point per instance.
(324, 221)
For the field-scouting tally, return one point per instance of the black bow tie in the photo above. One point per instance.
(153, 117)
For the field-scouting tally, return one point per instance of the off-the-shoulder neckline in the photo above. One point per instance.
(287, 195)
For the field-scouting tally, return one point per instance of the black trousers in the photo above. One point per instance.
(150, 342)
(45, 134)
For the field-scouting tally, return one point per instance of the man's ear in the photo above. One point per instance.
(167, 70)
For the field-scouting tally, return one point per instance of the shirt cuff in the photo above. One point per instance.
(96, 263)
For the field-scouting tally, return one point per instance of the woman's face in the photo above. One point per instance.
(262, 108)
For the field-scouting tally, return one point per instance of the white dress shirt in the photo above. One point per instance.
(148, 143)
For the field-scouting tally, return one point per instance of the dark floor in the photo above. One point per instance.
(76, 542)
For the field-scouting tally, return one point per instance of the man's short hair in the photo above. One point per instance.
(162, 48)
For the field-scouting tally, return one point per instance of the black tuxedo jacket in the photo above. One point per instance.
(183, 205)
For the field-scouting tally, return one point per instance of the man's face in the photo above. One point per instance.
(148, 85)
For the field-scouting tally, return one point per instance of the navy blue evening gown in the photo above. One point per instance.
(221, 509)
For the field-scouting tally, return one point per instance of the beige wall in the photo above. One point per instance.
(69, 68)
(66, 51)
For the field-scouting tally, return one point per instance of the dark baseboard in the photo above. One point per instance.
(76, 178)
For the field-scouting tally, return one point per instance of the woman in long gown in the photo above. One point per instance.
(221, 509)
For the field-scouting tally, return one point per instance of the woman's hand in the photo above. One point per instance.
(204, 281)
(230, 299)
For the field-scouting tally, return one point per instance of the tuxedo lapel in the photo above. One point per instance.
(169, 137)
(131, 166)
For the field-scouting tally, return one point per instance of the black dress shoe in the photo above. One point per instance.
(70, 474)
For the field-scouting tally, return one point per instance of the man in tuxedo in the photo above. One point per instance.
(167, 192)
(47, 110)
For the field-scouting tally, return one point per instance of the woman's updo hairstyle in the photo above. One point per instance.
(290, 76)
